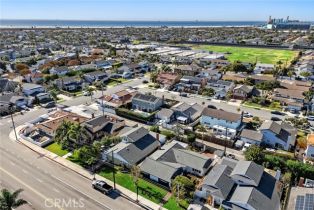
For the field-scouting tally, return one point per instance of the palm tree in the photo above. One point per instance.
(90, 92)
(10, 201)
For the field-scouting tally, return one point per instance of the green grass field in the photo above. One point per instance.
(56, 148)
(154, 193)
(248, 54)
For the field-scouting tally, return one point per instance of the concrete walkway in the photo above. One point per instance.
(145, 203)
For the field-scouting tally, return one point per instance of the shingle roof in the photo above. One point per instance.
(191, 159)
(145, 97)
(165, 113)
(249, 169)
(136, 134)
(219, 178)
(251, 134)
(159, 169)
(278, 129)
(221, 114)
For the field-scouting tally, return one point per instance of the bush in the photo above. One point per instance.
(168, 134)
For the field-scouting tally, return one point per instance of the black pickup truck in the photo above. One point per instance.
(102, 186)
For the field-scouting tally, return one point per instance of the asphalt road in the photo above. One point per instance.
(46, 184)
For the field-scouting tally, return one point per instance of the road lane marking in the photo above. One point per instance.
(57, 191)
(31, 188)
(24, 171)
(79, 191)
(41, 181)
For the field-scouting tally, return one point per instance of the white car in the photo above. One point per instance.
(246, 146)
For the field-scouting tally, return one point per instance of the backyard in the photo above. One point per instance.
(56, 148)
(146, 189)
(247, 54)
(172, 204)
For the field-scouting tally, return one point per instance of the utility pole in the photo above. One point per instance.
(225, 149)
(113, 172)
(102, 99)
(11, 114)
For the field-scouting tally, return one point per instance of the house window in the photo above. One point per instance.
(195, 170)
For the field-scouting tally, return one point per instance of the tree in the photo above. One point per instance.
(208, 92)
(183, 187)
(290, 74)
(10, 201)
(70, 134)
(89, 155)
(90, 92)
(286, 178)
(153, 77)
(305, 74)
(136, 174)
(254, 153)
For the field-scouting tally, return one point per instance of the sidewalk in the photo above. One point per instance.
(143, 202)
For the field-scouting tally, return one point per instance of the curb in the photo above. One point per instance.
(82, 175)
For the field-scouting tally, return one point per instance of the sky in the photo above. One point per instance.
(210, 10)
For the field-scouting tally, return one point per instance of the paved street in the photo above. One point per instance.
(46, 182)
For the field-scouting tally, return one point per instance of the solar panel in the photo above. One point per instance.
(309, 202)
(299, 204)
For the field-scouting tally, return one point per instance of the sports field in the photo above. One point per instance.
(248, 54)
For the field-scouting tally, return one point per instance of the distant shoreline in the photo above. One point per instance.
(123, 24)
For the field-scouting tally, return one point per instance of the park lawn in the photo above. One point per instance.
(126, 180)
(56, 148)
(249, 54)
(172, 204)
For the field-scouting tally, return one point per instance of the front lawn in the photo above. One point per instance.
(57, 149)
(146, 189)
(172, 204)
(114, 82)
(250, 54)
(273, 106)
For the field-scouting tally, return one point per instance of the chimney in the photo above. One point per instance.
(301, 182)
(157, 136)
(93, 115)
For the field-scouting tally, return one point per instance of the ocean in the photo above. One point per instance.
(108, 24)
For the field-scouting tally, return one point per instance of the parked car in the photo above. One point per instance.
(102, 186)
(212, 107)
(310, 118)
(145, 81)
(275, 119)
(87, 93)
(246, 146)
(277, 113)
(247, 115)
(49, 104)
(232, 156)
(184, 94)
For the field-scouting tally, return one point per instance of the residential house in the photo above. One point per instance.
(291, 98)
(43, 97)
(147, 103)
(69, 83)
(242, 92)
(231, 76)
(103, 125)
(166, 115)
(187, 113)
(167, 80)
(222, 122)
(136, 145)
(103, 64)
(173, 159)
(210, 74)
(115, 100)
(30, 89)
(60, 71)
(260, 68)
(7, 85)
(236, 184)
(278, 135)
(125, 72)
(309, 152)
(187, 70)
(219, 63)
(251, 136)
(16, 100)
(221, 88)
(86, 67)
(190, 84)
(96, 76)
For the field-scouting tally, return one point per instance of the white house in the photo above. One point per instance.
(309, 152)
(211, 117)
(278, 135)
(251, 136)
(60, 71)
(31, 89)
(260, 68)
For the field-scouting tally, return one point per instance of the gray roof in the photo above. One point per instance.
(251, 134)
(219, 178)
(278, 129)
(95, 73)
(159, 169)
(30, 86)
(265, 196)
(165, 113)
(245, 88)
(191, 159)
(136, 151)
(194, 111)
(229, 162)
(146, 97)
(7, 85)
(249, 169)
(135, 134)
(221, 114)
